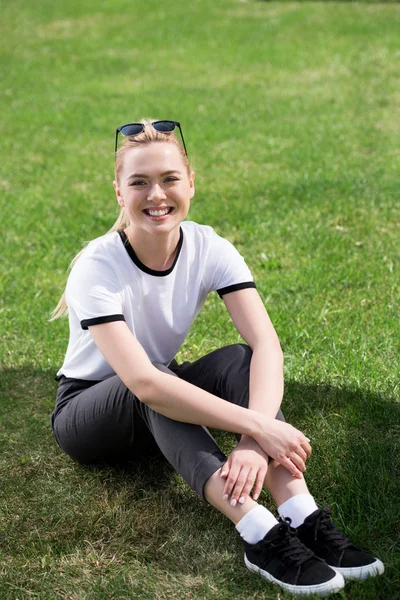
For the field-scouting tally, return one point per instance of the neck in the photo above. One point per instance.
(155, 251)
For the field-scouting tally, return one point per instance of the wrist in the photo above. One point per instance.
(248, 440)
(267, 406)
(249, 444)
(255, 426)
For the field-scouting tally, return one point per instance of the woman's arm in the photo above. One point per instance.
(182, 401)
(266, 368)
(164, 393)
(247, 465)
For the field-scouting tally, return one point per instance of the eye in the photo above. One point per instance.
(137, 183)
(170, 179)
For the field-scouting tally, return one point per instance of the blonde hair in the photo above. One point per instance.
(149, 135)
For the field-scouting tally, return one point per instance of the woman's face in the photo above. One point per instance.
(154, 187)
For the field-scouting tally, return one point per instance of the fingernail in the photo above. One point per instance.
(233, 503)
(225, 497)
(255, 496)
(308, 439)
(223, 473)
(241, 500)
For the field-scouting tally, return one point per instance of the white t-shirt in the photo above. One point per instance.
(109, 283)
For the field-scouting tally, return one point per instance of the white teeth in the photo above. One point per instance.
(158, 213)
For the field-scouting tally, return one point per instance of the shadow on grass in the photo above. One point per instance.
(144, 512)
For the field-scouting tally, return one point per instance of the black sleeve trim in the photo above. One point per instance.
(99, 320)
(235, 288)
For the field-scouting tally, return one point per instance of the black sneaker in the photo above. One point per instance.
(281, 558)
(320, 534)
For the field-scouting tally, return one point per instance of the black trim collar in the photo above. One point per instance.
(142, 266)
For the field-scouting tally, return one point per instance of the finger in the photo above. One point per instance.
(297, 461)
(305, 444)
(224, 470)
(307, 447)
(231, 480)
(261, 475)
(302, 453)
(237, 492)
(247, 487)
(290, 466)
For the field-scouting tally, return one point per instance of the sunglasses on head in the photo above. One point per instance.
(136, 128)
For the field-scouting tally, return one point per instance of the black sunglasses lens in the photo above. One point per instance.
(135, 128)
(132, 129)
(164, 125)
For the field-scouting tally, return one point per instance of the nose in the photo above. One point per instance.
(156, 193)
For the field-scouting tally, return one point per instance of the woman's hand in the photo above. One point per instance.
(247, 465)
(286, 444)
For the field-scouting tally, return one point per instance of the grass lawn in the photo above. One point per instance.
(290, 111)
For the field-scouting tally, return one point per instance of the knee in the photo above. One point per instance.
(241, 355)
(236, 362)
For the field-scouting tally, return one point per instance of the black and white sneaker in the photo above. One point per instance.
(320, 534)
(281, 558)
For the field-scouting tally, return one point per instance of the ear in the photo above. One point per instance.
(191, 184)
(117, 190)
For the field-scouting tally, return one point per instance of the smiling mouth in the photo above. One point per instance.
(158, 212)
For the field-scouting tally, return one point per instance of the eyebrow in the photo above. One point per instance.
(144, 176)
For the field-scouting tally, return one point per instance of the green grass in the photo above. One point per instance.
(290, 113)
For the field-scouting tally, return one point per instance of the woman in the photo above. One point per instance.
(132, 295)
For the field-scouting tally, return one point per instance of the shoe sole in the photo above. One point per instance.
(363, 572)
(322, 589)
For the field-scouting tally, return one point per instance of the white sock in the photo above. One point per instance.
(298, 508)
(255, 525)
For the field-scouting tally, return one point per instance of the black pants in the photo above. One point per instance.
(97, 422)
